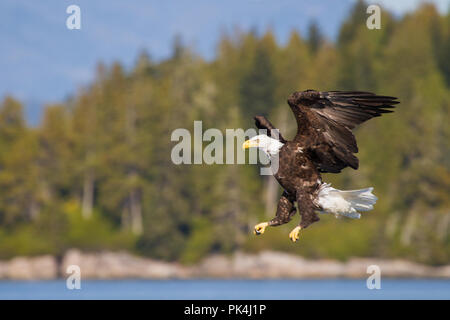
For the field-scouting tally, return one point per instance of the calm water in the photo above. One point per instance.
(227, 289)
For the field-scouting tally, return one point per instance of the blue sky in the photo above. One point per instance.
(42, 61)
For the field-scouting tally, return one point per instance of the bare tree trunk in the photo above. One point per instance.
(88, 195)
(392, 224)
(134, 194)
(271, 184)
(125, 219)
(408, 229)
(33, 209)
(442, 227)
(271, 195)
(135, 212)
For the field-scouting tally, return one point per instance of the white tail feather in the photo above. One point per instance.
(345, 203)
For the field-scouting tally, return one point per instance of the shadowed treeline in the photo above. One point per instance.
(97, 173)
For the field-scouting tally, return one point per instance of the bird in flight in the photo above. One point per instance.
(324, 143)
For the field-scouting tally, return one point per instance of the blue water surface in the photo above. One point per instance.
(228, 289)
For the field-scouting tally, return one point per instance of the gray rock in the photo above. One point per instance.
(34, 268)
(267, 264)
(114, 265)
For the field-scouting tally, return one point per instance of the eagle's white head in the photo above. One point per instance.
(270, 146)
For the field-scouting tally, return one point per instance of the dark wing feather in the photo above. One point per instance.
(262, 123)
(325, 121)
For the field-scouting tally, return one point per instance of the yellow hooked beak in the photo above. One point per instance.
(250, 143)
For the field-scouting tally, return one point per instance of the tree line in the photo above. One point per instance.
(96, 172)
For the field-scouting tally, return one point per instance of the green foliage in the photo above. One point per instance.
(257, 88)
(60, 227)
(96, 233)
(24, 241)
(200, 242)
(315, 37)
(97, 174)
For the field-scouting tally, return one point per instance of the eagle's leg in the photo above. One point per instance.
(307, 211)
(285, 211)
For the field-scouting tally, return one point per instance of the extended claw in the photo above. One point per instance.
(295, 234)
(260, 228)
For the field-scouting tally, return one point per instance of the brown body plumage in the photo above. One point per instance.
(324, 143)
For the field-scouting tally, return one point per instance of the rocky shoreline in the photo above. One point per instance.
(268, 264)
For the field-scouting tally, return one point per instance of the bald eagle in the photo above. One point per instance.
(324, 143)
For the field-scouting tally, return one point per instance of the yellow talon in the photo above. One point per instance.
(260, 228)
(295, 234)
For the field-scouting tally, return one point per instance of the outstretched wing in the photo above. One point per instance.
(262, 123)
(325, 121)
